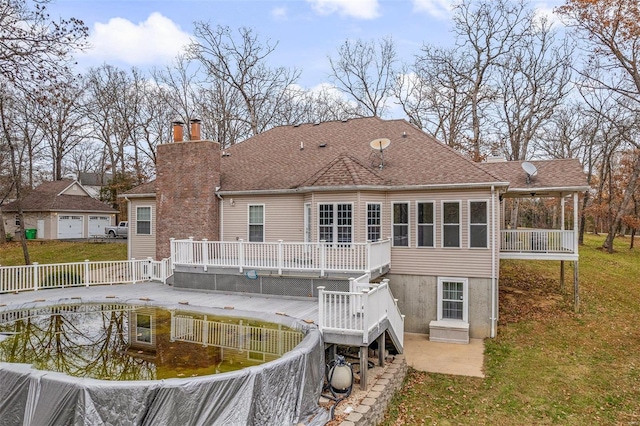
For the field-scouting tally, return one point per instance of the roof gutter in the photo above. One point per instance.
(548, 189)
(306, 189)
(127, 196)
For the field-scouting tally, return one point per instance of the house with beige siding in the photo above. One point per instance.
(312, 205)
(59, 210)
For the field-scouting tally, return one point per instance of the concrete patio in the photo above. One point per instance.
(445, 358)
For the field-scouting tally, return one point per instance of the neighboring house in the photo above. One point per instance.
(438, 214)
(94, 182)
(60, 209)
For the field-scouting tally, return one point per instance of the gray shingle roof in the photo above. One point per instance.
(274, 159)
(338, 154)
(46, 198)
(552, 174)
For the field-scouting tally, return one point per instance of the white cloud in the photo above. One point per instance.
(440, 9)
(154, 41)
(360, 9)
(279, 13)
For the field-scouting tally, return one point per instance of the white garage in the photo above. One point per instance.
(70, 227)
(97, 224)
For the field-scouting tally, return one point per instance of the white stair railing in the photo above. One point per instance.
(360, 312)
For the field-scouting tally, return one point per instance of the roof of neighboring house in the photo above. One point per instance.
(551, 176)
(94, 179)
(337, 153)
(50, 197)
(146, 189)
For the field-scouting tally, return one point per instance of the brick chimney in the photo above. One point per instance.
(187, 175)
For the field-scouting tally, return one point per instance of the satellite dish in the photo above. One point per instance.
(380, 144)
(530, 170)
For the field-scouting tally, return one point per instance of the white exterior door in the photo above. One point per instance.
(69, 227)
(40, 229)
(97, 224)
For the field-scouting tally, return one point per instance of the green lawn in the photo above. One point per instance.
(61, 252)
(548, 365)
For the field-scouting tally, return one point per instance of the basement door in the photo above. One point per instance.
(69, 227)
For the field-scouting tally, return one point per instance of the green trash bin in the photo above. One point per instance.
(30, 234)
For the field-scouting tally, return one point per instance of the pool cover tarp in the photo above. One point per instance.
(281, 392)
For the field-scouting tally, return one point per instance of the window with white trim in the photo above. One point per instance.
(335, 223)
(17, 223)
(143, 220)
(451, 224)
(144, 328)
(425, 225)
(374, 232)
(453, 301)
(256, 223)
(401, 224)
(478, 224)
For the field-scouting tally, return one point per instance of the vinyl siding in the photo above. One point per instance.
(438, 261)
(142, 246)
(283, 217)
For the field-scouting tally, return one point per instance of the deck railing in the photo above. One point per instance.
(537, 241)
(360, 312)
(242, 337)
(282, 256)
(60, 275)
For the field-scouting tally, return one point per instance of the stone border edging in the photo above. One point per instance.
(371, 409)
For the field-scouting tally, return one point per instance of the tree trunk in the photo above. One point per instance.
(628, 195)
(18, 184)
(583, 219)
(3, 231)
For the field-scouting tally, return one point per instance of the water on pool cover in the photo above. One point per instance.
(124, 342)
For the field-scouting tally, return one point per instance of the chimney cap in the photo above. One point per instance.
(195, 120)
(177, 122)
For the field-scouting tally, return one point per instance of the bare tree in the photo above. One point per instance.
(61, 122)
(611, 32)
(34, 50)
(16, 142)
(533, 80)
(107, 89)
(236, 66)
(364, 70)
(179, 90)
(486, 31)
(435, 95)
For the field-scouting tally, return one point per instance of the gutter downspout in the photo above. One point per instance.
(130, 227)
(493, 264)
(220, 214)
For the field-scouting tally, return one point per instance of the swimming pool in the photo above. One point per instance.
(280, 383)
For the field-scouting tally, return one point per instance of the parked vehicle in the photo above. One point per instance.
(122, 230)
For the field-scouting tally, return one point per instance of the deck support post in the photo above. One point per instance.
(576, 288)
(381, 349)
(331, 352)
(562, 276)
(364, 361)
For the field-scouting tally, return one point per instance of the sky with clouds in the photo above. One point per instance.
(147, 33)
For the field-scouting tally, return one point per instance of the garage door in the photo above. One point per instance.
(97, 224)
(69, 227)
